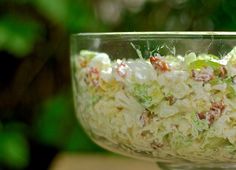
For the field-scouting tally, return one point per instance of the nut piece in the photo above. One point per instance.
(145, 117)
(121, 70)
(202, 115)
(156, 145)
(223, 72)
(93, 75)
(159, 64)
(171, 99)
(204, 75)
(214, 113)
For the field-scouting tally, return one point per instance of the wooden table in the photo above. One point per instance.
(68, 161)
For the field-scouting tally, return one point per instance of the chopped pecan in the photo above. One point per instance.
(145, 117)
(204, 75)
(121, 70)
(202, 115)
(223, 72)
(94, 75)
(146, 133)
(83, 63)
(156, 145)
(159, 64)
(214, 113)
(218, 105)
(171, 99)
(119, 108)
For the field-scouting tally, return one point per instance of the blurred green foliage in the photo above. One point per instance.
(37, 31)
(18, 36)
(14, 150)
(24, 25)
(19, 31)
(57, 126)
(70, 14)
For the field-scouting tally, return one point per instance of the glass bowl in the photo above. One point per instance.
(168, 97)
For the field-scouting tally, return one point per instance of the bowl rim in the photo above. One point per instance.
(157, 34)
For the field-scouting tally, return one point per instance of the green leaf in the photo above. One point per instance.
(13, 150)
(180, 141)
(215, 142)
(140, 91)
(198, 64)
(148, 94)
(230, 90)
(200, 125)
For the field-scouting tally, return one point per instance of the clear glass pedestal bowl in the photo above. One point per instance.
(168, 97)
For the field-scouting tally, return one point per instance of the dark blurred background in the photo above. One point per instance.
(37, 119)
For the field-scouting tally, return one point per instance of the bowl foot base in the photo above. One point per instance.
(189, 166)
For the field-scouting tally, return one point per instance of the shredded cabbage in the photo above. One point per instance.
(181, 107)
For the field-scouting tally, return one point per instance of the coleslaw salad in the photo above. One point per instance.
(182, 107)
